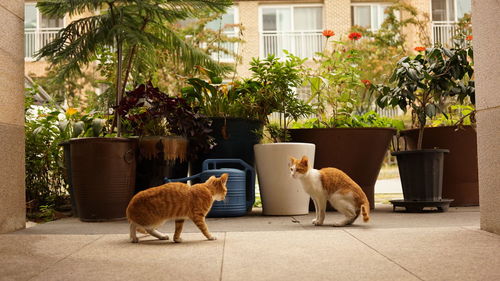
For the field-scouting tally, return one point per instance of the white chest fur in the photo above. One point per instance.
(311, 182)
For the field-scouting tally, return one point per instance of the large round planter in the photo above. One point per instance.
(421, 173)
(235, 138)
(359, 152)
(103, 176)
(460, 173)
(160, 157)
(280, 193)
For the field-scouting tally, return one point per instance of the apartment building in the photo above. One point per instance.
(271, 26)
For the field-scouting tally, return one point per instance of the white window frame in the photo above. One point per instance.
(235, 31)
(455, 12)
(380, 6)
(39, 19)
(292, 20)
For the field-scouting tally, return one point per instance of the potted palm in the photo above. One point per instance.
(280, 194)
(422, 83)
(169, 133)
(128, 28)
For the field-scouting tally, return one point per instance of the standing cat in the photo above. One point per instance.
(333, 185)
(151, 208)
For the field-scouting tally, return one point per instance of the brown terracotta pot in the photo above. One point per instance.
(460, 176)
(359, 152)
(103, 176)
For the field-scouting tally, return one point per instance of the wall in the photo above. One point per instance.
(12, 198)
(485, 20)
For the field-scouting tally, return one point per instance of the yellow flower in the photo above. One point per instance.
(71, 111)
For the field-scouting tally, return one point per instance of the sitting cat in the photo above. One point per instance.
(333, 185)
(151, 208)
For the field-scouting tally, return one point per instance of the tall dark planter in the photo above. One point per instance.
(160, 157)
(67, 167)
(103, 176)
(235, 138)
(460, 172)
(359, 152)
(421, 173)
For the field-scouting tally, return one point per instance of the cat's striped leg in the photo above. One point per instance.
(157, 234)
(178, 229)
(199, 220)
(133, 234)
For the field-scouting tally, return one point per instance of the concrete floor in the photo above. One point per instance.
(392, 246)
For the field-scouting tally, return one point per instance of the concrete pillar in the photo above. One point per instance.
(12, 194)
(485, 20)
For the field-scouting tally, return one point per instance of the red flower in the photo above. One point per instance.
(355, 35)
(419, 49)
(328, 33)
(468, 38)
(366, 82)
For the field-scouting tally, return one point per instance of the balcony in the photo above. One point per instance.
(443, 33)
(304, 44)
(35, 39)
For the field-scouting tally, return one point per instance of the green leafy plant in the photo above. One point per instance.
(277, 81)
(456, 115)
(368, 119)
(425, 81)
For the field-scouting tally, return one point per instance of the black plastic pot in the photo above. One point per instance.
(421, 173)
(103, 176)
(160, 157)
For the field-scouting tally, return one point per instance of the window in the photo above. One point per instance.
(295, 28)
(36, 20)
(369, 15)
(450, 10)
(39, 29)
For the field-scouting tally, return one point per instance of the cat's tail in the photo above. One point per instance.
(365, 211)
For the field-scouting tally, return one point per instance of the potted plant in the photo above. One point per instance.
(280, 194)
(348, 135)
(422, 83)
(169, 133)
(130, 29)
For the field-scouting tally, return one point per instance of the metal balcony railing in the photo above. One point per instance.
(443, 33)
(304, 44)
(35, 39)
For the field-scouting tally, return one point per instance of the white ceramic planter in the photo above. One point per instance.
(280, 193)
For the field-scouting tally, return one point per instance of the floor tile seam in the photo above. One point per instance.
(385, 256)
(223, 254)
(65, 257)
(482, 232)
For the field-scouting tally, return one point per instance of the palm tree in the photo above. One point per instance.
(127, 27)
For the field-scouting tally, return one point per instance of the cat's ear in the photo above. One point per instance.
(304, 160)
(292, 160)
(212, 178)
(223, 178)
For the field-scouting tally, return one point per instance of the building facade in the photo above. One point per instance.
(271, 26)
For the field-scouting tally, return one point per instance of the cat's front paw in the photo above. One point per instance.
(212, 238)
(178, 240)
(134, 240)
(317, 222)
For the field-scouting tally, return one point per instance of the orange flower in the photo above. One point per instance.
(71, 111)
(366, 82)
(355, 35)
(328, 33)
(468, 38)
(419, 49)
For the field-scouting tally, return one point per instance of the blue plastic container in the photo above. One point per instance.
(239, 181)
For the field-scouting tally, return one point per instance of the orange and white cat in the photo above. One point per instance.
(151, 208)
(333, 185)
